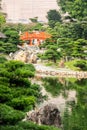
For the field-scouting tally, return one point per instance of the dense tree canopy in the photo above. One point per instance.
(12, 36)
(7, 47)
(77, 8)
(53, 16)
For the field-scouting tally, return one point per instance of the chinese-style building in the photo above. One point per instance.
(34, 38)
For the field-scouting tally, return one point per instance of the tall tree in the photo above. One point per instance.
(53, 16)
(12, 36)
(77, 8)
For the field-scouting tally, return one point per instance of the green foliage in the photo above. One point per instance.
(52, 23)
(52, 85)
(77, 118)
(77, 30)
(65, 46)
(51, 52)
(2, 20)
(29, 126)
(70, 48)
(13, 78)
(79, 48)
(77, 8)
(29, 66)
(71, 64)
(53, 16)
(7, 47)
(12, 36)
(66, 119)
(68, 40)
(16, 71)
(37, 26)
(22, 102)
(53, 55)
(82, 64)
(5, 94)
(16, 93)
(23, 27)
(34, 20)
(2, 59)
(9, 116)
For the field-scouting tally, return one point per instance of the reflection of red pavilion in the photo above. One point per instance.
(35, 38)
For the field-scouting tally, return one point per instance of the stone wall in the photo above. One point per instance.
(74, 74)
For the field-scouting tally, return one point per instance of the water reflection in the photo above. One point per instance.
(56, 86)
(69, 93)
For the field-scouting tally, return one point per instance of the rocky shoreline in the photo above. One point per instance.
(61, 73)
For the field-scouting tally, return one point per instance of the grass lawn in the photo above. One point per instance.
(70, 65)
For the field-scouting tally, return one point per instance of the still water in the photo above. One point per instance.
(70, 96)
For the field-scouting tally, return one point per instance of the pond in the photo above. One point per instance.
(70, 95)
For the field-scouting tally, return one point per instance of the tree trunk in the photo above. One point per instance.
(54, 60)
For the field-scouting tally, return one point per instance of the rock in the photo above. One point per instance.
(20, 55)
(26, 54)
(47, 115)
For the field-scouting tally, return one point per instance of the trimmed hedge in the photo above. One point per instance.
(9, 116)
(28, 126)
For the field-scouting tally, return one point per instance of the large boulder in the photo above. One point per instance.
(47, 115)
(27, 56)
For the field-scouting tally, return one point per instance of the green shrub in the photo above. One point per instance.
(4, 80)
(9, 116)
(17, 72)
(11, 47)
(31, 126)
(29, 66)
(9, 127)
(35, 86)
(28, 126)
(23, 102)
(5, 94)
(82, 64)
(2, 59)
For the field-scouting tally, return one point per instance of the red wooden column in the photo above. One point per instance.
(38, 42)
(30, 42)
